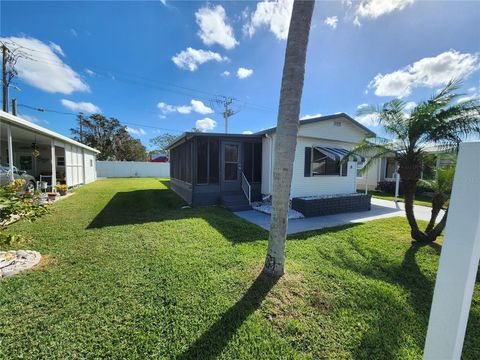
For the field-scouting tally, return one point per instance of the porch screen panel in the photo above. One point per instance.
(202, 161)
(181, 162)
(257, 162)
(214, 161)
(68, 165)
(248, 160)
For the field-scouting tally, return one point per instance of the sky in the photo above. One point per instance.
(157, 65)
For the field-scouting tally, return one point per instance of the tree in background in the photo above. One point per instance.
(110, 137)
(442, 120)
(287, 130)
(161, 142)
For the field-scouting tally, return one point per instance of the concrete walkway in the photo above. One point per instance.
(380, 209)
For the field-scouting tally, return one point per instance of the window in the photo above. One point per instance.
(390, 168)
(323, 165)
(61, 161)
(360, 165)
(252, 161)
(231, 162)
(91, 163)
(337, 123)
(207, 161)
(181, 162)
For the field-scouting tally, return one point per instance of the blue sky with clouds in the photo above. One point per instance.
(156, 65)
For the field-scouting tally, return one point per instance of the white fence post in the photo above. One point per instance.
(458, 261)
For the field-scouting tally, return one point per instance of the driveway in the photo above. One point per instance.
(380, 209)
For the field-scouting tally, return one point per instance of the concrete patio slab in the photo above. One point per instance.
(380, 209)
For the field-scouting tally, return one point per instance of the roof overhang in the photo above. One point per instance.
(22, 123)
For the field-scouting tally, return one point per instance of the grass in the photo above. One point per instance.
(419, 199)
(130, 274)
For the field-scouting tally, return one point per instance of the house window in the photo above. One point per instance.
(60, 160)
(337, 123)
(207, 161)
(390, 168)
(323, 165)
(360, 166)
(252, 161)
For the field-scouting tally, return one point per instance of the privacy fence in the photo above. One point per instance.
(114, 169)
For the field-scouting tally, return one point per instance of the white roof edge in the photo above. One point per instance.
(18, 121)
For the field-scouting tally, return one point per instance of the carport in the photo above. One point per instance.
(44, 154)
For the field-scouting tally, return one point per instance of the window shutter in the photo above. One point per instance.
(308, 162)
(344, 169)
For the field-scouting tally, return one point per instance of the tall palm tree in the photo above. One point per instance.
(442, 120)
(286, 134)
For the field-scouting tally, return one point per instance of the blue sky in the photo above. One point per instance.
(117, 58)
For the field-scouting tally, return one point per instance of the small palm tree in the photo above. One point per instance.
(441, 187)
(440, 120)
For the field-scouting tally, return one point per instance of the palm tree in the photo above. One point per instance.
(442, 120)
(286, 134)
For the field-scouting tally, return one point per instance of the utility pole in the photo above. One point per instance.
(224, 104)
(14, 106)
(4, 77)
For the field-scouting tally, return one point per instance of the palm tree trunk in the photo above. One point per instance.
(433, 234)
(437, 202)
(286, 134)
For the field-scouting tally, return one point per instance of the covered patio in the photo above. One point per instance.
(46, 155)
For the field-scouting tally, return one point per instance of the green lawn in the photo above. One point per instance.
(129, 274)
(419, 200)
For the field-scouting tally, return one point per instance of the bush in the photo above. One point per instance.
(388, 187)
(17, 205)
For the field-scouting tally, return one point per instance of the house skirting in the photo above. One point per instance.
(328, 205)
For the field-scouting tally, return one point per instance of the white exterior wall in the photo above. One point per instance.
(372, 177)
(325, 184)
(325, 133)
(132, 169)
(77, 165)
(89, 166)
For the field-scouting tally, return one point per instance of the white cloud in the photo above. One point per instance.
(307, 116)
(372, 9)
(409, 106)
(273, 14)
(164, 2)
(57, 48)
(243, 73)
(362, 106)
(87, 107)
(331, 21)
(90, 72)
(49, 73)
(73, 32)
(184, 109)
(427, 72)
(200, 107)
(29, 118)
(195, 105)
(205, 124)
(214, 27)
(189, 59)
(368, 119)
(247, 132)
(468, 98)
(165, 108)
(136, 131)
(472, 89)
(226, 73)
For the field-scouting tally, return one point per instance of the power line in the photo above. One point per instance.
(39, 109)
(126, 77)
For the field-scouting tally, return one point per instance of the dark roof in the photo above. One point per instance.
(188, 135)
(323, 118)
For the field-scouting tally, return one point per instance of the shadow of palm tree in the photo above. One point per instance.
(214, 340)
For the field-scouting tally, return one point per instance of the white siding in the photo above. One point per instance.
(320, 185)
(90, 169)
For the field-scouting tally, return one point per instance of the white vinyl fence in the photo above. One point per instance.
(112, 169)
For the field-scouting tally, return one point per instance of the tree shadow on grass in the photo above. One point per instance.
(156, 205)
(214, 340)
(391, 321)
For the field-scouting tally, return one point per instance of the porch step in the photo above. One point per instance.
(235, 201)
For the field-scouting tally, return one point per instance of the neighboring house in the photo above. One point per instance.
(233, 169)
(158, 158)
(44, 154)
(385, 169)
